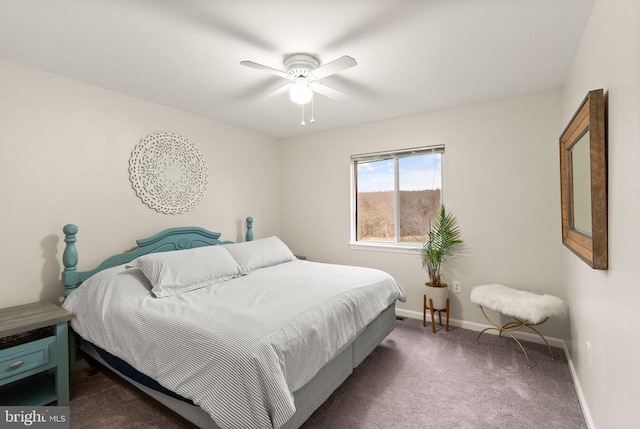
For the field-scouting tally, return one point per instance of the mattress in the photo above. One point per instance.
(253, 340)
(311, 396)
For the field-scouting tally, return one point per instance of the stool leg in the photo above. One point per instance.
(531, 326)
(433, 320)
(493, 326)
(447, 328)
(526, 355)
(510, 326)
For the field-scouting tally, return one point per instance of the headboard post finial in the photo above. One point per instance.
(249, 236)
(70, 258)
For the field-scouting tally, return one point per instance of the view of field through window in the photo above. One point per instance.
(417, 192)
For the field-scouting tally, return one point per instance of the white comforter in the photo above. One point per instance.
(240, 348)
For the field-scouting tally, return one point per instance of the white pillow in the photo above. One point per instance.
(172, 273)
(264, 252)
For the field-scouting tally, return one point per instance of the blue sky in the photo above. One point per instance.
(416, 173)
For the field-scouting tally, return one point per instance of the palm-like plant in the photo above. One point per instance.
(442, 241)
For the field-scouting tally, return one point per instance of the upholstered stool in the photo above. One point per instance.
(527, 308)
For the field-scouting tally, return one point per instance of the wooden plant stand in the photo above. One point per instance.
(434, 310)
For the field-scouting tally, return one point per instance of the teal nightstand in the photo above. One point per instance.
(34, 344)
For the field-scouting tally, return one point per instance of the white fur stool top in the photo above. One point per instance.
(522, 305)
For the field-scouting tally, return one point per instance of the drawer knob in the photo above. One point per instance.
(16, 364)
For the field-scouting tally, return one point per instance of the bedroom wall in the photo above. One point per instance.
(604, 304)
(500, 178)
(64, 153)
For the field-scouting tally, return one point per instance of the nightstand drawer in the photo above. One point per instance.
(27, 359)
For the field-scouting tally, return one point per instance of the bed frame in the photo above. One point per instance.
(170, 239)
(307, 399)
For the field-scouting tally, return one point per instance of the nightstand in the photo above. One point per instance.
(34, 345)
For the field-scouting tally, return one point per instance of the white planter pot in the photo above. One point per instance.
(438, 295)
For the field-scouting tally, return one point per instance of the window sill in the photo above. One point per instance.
(384, 247)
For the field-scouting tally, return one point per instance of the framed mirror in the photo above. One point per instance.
(583, 179)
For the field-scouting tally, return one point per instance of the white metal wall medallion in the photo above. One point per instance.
(168, 173)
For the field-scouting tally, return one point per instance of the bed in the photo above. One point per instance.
(228, 334)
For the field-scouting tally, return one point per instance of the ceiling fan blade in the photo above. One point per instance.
(279, 91)
(261, 67)
(327, 91)
(352, 86)
(333, 67)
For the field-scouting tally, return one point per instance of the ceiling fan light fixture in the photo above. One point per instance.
(302, 71)
(301, 93)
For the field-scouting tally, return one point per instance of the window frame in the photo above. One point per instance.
(395, 155)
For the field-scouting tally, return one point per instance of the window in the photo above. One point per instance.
(395, 195)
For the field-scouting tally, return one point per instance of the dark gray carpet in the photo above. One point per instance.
(414, 379)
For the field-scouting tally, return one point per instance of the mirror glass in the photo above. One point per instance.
(580, 192)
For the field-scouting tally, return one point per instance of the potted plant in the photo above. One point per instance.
(442, 241)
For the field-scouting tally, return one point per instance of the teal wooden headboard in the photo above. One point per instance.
(170, 239)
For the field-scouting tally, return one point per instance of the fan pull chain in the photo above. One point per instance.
(312, 118)
(303, 122)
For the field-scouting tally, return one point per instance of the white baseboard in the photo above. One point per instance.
(525, 336)
(473, 326)
(576, 382)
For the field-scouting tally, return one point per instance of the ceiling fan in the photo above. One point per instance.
(304, 71)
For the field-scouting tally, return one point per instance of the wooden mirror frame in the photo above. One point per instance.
(590, 116)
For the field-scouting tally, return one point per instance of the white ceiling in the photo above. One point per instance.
(413, 55)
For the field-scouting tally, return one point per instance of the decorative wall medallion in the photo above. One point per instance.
(168, 172)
